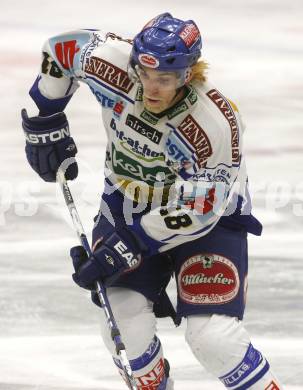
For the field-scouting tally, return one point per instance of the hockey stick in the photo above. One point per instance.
(100, 290)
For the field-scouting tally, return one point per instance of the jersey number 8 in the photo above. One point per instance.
(176, 222)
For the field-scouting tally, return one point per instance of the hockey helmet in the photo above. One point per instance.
(167, 44)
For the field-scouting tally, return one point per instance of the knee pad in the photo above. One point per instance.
(219, 342)
(134, 316)
(223, 347)
(137, 324)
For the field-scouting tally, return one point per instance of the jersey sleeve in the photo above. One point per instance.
(204, 190)
(63, 60)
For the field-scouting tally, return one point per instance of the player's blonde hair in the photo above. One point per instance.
(199, 71)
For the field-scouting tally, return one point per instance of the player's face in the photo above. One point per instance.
(159, 89)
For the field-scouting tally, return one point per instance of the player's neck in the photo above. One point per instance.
(181, 93)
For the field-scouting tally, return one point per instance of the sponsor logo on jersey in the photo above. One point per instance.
(222, 175)
(87, 49)
(272, 386)
(149, 117)
(208, 279)
(141, 152)
(111, 74)
(135, 148)
(143, 129)
(65, 52)
(103, 97)
(213, 174)
(148, 60)
(196, 137)
(177, 109)
(118, 108)
(224, 106)
(174, 151)
(190, 34)
(202, 204)
(183, 106)
(192, 97)
(125, 166)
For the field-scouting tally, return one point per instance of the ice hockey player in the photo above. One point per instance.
(175, 199)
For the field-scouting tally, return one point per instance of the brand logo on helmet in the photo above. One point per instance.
(148, 60)
(190, 34)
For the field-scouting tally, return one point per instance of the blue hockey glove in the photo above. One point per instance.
(118, 253)
(48, 144)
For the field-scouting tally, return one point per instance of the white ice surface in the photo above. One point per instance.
(49, 332)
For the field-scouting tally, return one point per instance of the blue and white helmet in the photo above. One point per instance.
(167, 44)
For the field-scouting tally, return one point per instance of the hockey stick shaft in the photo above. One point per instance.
(100, 290)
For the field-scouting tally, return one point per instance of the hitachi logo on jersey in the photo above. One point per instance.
(47, 138)
(122, 249)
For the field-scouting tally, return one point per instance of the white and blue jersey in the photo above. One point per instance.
(185, 164)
